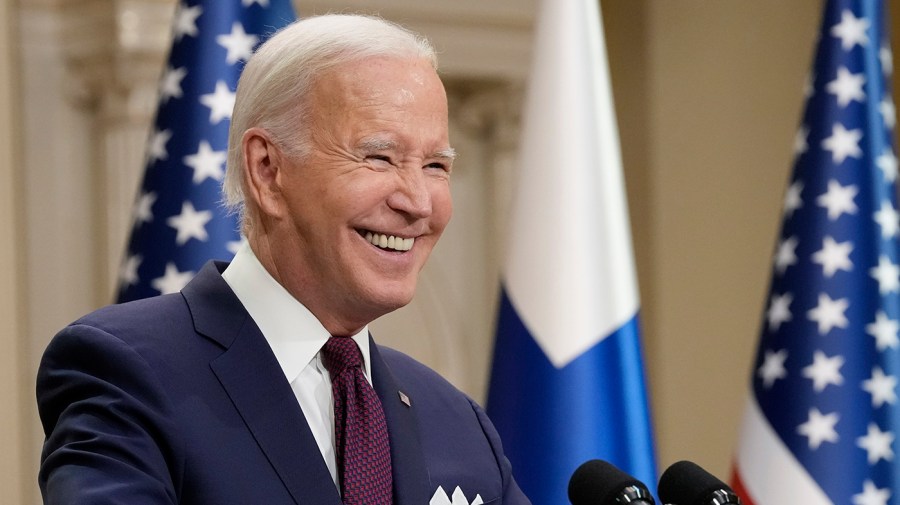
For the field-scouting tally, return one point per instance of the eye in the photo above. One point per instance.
(380, 161)
(437, 165)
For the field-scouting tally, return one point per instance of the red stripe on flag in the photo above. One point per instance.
(738, 486)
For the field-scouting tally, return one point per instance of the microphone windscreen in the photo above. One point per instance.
(597, 482)
(686, 483)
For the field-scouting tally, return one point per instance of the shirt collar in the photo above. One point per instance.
(292, 331)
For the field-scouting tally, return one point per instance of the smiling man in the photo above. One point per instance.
(259, 382)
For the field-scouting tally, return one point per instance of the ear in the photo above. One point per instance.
(263, 172)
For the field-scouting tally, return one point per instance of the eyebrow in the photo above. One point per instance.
(376, 144)
(380, 144)
(447, 154)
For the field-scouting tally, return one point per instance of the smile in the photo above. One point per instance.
(389, 242)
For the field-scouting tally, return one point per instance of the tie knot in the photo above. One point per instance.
(340, 353)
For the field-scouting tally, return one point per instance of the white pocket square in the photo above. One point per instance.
(459, 498)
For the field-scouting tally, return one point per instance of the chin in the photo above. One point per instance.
(389, 302)
(397, 303)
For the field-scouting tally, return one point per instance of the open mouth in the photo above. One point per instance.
(387, 242)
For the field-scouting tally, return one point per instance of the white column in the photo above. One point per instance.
(87, 70)
(14, 426)
(116, 49)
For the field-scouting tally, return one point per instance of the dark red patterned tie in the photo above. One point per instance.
(361, 436)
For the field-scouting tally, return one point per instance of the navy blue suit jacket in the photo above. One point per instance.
(179, 399)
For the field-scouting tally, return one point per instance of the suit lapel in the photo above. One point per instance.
(411, 479)
(250, 374)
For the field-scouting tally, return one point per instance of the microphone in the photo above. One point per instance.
(597, 482)
(685, 483)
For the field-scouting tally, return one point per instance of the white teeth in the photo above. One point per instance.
(389, 241)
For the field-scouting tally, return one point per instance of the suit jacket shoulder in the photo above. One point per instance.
(174, 399)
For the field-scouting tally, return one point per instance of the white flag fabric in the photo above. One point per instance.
(567, 383)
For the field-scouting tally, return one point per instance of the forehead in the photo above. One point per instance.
(403, 96)
(383, 80)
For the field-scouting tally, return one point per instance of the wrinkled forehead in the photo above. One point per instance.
(387, 79)
(396, 101)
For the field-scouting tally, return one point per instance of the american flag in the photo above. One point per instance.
(820, 425)
(179, 222)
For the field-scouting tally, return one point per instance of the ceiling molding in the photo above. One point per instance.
(475, 39)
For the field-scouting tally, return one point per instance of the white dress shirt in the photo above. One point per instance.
(295, 336)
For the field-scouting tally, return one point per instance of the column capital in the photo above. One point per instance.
(487, 108)
(114, 50)
(474, 38)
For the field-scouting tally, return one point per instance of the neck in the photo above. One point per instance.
(292, 283)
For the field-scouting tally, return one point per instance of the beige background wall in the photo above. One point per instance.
(708, 97)
(14, 370)
(708, 94)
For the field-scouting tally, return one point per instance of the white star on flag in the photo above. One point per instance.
(156, 150)
(843, 143)
(220, 102)
(838, 199)
(800, 142)
(170, 86)
(143, 209)
(190, 223)
(885, 331)
(881, 387)
(128, 272)
(824, 371)
(172, 281)
(238, 44)
(872, 495)
(888, 218)
(779, 310)
(834, 256)
(829, 313)
(877, 444)
(887, 274)
(847, 87)
(792, 198)
(887, 60)
(851, 30)
(206, 163)
(888, 112)
(186, 21)
(887, 162)
(786, 255)
(819, 428)
(773, 368)
(808, 86)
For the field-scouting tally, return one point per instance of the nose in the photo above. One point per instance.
(412, 195)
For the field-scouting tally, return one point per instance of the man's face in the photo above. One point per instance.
(369, 201)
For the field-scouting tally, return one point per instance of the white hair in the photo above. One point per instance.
(274, 85)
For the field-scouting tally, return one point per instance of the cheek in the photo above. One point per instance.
(365, 189)
(442, 206)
